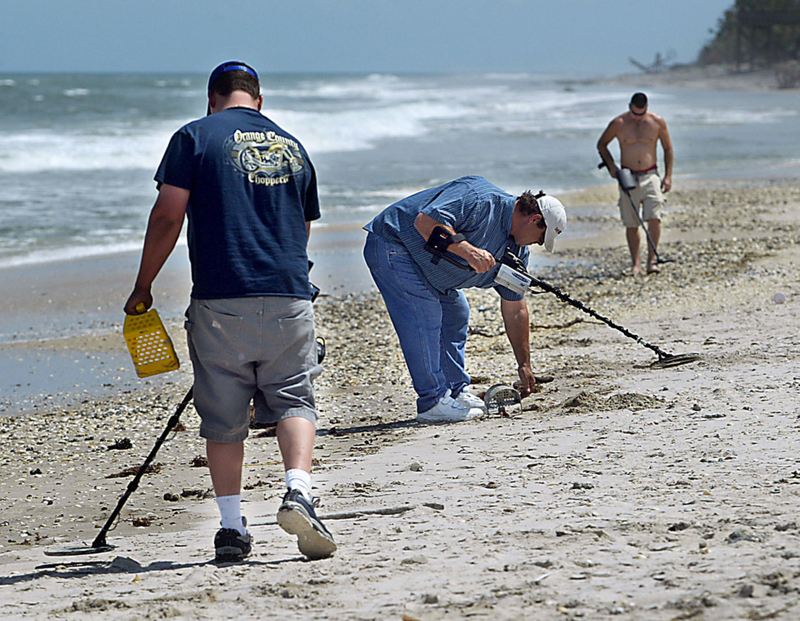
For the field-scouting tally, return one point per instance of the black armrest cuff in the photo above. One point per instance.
(440, 239)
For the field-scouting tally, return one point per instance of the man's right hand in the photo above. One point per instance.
(479, 259)
(136, 298)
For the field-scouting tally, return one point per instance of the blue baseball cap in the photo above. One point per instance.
(231, 65)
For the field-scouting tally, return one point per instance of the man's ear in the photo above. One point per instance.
(260, 102)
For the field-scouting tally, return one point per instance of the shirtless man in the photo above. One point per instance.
(638, 132)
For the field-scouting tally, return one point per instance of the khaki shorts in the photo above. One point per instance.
(648, 194)
(242, 349)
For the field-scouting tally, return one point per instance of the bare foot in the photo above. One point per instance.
(653, 269)
(636, 270)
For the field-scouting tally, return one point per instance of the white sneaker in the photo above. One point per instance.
(448, 410)
(468, 400)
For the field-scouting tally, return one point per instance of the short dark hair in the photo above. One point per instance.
(639, 100)
(529, 206)
(231, 81)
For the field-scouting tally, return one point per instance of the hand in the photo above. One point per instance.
(479, 259)
(666, 184)
(136, 298)
(527, 380)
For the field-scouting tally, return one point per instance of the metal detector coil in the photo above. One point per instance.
(499, 397)
(674, 360)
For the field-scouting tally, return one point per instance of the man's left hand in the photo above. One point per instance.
(527, 381)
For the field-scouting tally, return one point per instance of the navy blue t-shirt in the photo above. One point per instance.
(252, 189)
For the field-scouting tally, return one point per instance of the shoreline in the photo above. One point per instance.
(62, 344)
(711, 77)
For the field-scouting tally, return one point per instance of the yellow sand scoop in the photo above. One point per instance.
(150, 346)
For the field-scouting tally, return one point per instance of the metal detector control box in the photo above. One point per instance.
(518, 282)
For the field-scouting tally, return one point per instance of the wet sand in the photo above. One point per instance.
(617, 491)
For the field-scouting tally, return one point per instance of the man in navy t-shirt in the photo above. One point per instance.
(249, 192)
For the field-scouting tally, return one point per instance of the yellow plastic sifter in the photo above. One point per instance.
(150, 346)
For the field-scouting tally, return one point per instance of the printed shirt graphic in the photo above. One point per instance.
(266, 158)
(252, 190)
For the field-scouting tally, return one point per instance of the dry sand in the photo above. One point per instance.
(617, 491)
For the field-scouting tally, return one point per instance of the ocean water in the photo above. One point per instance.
(78, 152)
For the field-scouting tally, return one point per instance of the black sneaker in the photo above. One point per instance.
(231, 546)
(297, 517)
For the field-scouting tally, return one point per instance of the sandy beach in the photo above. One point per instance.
(617, 491)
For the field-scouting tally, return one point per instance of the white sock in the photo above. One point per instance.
(231, 512)
(300, 480)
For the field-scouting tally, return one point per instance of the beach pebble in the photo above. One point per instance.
(125, 563)
(746, 590)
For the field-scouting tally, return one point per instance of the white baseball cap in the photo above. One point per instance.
(555, 217)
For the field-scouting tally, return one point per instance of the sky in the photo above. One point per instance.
(593, 37)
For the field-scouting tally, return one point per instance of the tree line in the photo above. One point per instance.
(755, 34)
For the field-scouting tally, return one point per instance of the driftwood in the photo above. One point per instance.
(557, 326)
(349, 515)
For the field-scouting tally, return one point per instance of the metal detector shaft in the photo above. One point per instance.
(581, 306)
(100, 540)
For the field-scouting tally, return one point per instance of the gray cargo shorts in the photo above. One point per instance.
(245, 349)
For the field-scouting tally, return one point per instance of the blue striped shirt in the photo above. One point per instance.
(471, 206)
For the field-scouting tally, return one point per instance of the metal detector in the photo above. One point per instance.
(100, 544)
(627, 183)
(514, 275)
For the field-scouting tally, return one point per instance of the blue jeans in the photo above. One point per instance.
(432, 327)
